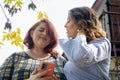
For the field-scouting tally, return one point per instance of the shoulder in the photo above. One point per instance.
(17, 54)
(61, 59)
(102, 43)
(22, 53)
(101, 40)
(104, 39)
(106, 42)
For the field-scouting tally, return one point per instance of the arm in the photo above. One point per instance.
(6, 69)
(83, 54)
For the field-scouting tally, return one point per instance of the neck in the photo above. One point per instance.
(38, 54)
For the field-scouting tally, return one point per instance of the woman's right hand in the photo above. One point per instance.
(35, 75)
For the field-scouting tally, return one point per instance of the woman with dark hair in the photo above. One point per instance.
(41, 40)
(87, 49)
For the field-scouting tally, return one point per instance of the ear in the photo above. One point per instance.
(31, 33)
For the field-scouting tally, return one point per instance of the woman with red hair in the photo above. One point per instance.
(41, 40)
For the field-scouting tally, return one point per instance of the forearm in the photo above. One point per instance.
(82, 53)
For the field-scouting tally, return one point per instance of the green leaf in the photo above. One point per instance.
(19, 3)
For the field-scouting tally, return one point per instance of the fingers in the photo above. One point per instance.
(47, 78)
(35, 75)
(34, 72)
(50, 78)
(40, 74)
(55, 78)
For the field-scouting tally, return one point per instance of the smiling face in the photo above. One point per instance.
(71, 27)
(40, 36)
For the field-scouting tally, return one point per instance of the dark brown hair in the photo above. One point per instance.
(52, 33)
(87, 19)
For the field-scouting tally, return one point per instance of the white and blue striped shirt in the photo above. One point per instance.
(86, 61)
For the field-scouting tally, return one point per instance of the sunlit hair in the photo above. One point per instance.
(87, 19)
(51, 31)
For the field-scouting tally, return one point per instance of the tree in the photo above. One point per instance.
(13, 6)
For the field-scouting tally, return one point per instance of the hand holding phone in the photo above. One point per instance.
(45, 66)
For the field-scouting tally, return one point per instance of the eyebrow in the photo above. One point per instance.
(42, 28)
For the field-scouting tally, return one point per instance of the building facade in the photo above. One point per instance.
(109, 15)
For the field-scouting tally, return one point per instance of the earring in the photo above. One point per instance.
(78, 30)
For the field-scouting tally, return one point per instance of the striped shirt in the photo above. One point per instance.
(86, 61)
(19, 65)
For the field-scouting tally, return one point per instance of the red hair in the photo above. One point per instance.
(52, 33)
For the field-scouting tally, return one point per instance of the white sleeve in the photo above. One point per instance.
(83, 54)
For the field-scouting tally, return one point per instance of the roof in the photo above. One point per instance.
(97, 4)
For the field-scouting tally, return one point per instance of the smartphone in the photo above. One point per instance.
(45, 66)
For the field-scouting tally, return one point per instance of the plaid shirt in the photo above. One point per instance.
(18, 66)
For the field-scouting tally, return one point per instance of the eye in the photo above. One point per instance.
(68, 21)
(41, 29)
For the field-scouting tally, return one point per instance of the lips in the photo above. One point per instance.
(67, 31)
(42, 38)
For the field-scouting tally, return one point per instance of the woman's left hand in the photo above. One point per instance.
(38, 75)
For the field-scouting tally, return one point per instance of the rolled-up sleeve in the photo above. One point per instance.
(81, 53)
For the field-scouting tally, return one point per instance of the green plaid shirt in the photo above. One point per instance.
(19, 65)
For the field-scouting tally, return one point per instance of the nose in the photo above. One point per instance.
(65, 25)
(44, 33)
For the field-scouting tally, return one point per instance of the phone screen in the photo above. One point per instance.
(44, 66)
(47, 65)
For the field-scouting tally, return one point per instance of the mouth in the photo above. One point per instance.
(42, 38)
(66, 31)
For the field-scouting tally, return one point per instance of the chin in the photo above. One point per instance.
(70, 37)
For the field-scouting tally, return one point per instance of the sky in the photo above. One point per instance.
(56, 10)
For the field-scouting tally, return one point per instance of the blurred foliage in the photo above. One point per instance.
(8, 25)
(1, 43)
(14, 37)
(42, 15)
(32, 6)
(13, 6)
